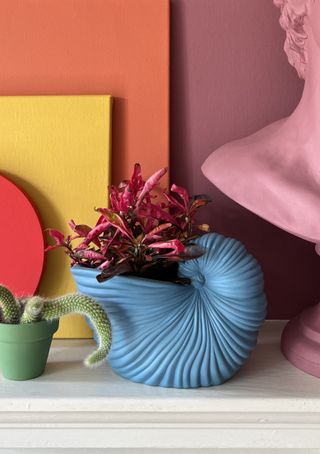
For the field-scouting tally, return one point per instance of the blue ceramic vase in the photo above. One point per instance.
(178, 336)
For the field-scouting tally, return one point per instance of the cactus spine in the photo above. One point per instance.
(9, 307)
(37, 308)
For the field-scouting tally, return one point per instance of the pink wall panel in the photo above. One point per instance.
(230, 77)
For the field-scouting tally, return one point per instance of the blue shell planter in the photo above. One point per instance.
(184, 336)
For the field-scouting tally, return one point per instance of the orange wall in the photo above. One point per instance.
(117, 47)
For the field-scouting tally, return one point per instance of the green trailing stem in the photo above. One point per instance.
(36, 308)
(9, 307)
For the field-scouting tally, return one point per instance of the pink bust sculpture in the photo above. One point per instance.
(276, 172)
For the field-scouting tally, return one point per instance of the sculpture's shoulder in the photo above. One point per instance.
(263, 137)
(274, 173)
(257, 145)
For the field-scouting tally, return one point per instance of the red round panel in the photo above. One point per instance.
(22, 244)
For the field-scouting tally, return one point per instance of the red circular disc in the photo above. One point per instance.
(22, 244)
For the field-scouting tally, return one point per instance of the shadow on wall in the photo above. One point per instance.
(229, 78)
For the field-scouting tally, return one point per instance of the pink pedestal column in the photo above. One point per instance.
(300, 342)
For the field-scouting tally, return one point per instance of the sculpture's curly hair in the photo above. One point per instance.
(292, 21)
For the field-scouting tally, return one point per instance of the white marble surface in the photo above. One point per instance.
(268, 404)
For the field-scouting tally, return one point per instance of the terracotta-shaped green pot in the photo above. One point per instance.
(24, 349)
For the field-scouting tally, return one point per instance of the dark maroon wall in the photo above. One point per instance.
(229, 78)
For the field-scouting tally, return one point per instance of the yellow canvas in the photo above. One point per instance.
(57, 148)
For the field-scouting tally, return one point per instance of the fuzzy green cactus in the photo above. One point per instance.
(36, 308)
(9, 307)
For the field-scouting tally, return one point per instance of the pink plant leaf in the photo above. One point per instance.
(136, 183)
(123, 184)
(126, 200)
(154, 238)
(94, 233)
(72, 225)
(114, 198)
(121, 268)
(90, 255)
(52, 247)
(57, 236)
(59, 239)
(83, 230)
(81, 247)
(182, 192)
(150, 184)
(176, 246)
(100, 220)
(105, 265)
(155, 212)
(115, 220)
(155, 232)
(198, 202)
(174, 203)
(107, 244)
(191, 252)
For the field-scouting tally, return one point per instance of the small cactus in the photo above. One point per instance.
(9, 307)
(37, 308)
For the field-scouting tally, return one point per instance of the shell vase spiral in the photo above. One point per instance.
(184, 336)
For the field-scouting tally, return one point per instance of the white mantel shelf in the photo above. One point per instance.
(268, 404)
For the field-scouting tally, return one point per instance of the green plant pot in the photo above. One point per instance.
(24, 349)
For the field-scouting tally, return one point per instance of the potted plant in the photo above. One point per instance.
(185, 308)
(28, 324)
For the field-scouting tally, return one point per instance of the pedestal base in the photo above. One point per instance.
(300, 341)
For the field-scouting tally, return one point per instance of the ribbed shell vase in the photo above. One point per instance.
(178, 336)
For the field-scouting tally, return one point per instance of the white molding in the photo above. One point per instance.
(132, 435)
(156, 451)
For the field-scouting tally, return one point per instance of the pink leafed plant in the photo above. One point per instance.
(144, 232)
